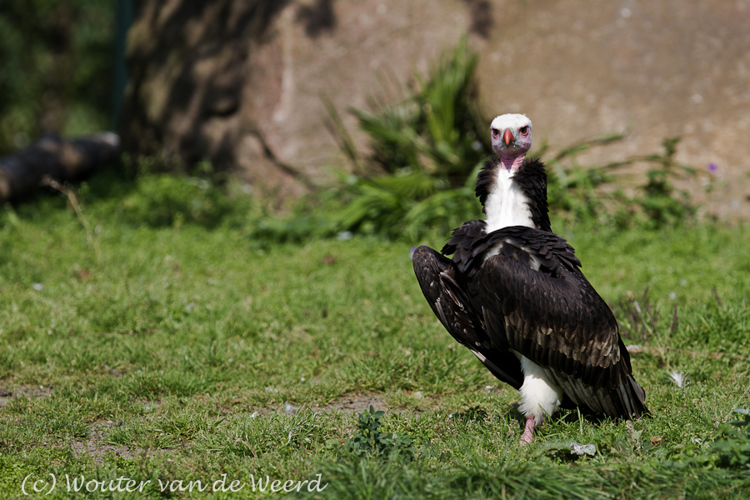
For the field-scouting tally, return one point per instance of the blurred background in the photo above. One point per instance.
(61, 68)
(287, 94)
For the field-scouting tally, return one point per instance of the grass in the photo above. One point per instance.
(194, 354)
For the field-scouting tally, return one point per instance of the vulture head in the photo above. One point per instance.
(511, 138)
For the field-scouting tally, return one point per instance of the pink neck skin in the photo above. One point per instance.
(512, 162)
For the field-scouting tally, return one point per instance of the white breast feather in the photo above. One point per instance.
(506, 204)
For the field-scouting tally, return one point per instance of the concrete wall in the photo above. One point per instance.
(240, 82)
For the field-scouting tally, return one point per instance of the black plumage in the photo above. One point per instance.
(519, 292)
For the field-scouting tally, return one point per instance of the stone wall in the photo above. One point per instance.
(240, 82)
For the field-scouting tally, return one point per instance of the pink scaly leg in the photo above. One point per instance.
(528, 432)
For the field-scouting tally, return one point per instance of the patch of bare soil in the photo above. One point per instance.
(92, 446)
(350, 403)
(354, 403)
(30, 391)
(94, 449)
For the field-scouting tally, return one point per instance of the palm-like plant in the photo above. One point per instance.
(425, 149)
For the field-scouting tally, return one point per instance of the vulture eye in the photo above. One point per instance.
(524, 130)
(495, 132)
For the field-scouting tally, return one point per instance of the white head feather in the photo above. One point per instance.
(510, 120)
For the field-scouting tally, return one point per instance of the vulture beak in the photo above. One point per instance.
(507, 137)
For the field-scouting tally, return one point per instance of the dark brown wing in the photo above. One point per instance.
(536, 301)
(452, 304)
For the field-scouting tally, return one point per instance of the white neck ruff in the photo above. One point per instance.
(506, 204)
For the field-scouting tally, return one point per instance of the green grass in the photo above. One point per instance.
(174, 353)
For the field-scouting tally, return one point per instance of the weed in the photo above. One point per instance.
(732, 446)
(169, 200)
(73, 200)
(370, 441)
(426, 152)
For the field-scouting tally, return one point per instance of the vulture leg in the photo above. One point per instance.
(528, 432)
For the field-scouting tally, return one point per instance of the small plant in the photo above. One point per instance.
(171, 199)
(572, 188)
(167, 200)
(575, 190)
(371, 442)
(638, 317)
(433, 131)
(73, 201)
(426, 148)
(661, 202)
(732, 449)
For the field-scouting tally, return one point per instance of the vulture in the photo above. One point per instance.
(513, 293)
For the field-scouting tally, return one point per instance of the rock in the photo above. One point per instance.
(240, 82)
(658, 69)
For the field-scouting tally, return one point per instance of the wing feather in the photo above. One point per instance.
(438, 280)
(556, 319)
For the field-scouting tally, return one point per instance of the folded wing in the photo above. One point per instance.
(441, 285)
(535, 300)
